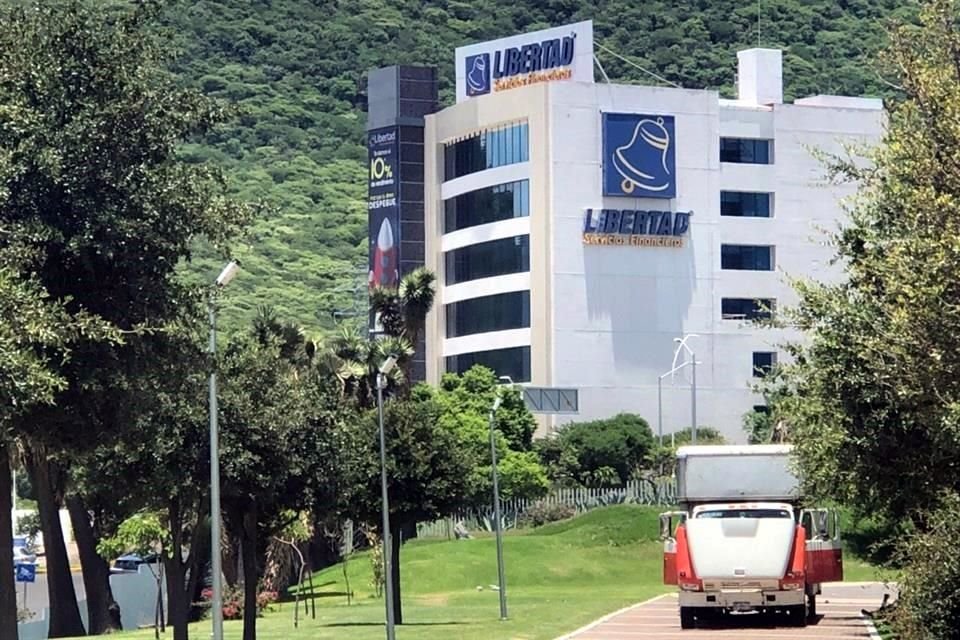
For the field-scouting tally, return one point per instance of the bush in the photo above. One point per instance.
(29, 525)
(233, 601)
(929, 604)
(541, 513)
(604, 452)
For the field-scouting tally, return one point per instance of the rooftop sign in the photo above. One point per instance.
(560, 53)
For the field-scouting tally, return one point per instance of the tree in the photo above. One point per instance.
(31, 325)
(474, 392)
(607, 452)
(162, 466)
(91, 128)
(871, 395)
(403, 312)
(426, 471)
(465, 402)
(705, 435)
(142, 534)
(276, 449)
(354, 360)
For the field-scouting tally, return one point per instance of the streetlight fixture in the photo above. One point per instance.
(229, 273)
(385, 369)
(682, 344)
(497, 524)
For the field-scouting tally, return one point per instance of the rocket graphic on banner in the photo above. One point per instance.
(385, 271)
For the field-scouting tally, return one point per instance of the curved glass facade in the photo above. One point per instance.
(488, 149)
(513, 362)
(488, 259)
(499, 312)
(490, 204)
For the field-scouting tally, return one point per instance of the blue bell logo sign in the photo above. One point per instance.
(639, 156)
(478, 74)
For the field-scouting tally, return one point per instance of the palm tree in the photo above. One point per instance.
(268, 327)
(354, 360)
(403, 313)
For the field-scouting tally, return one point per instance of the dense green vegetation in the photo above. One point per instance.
(297, 68)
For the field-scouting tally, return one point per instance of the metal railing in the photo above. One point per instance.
(661, 492)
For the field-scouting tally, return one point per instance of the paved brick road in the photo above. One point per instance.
(838, 618)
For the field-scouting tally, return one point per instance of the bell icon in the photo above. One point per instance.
(478, 78)
(642, 162)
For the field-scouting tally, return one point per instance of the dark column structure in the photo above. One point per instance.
(398, 98)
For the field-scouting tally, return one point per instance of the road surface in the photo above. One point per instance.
(838, 618)
(37, 599)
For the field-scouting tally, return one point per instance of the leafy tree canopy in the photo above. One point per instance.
(598, 452)
(872, 396)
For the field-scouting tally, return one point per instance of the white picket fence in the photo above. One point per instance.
(658, 492)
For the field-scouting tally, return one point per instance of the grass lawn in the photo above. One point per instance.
(559, 577)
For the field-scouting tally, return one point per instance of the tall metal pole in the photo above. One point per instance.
(693, 398)
(502, 582)
(387, 569)
(217, 613)
(660, 409)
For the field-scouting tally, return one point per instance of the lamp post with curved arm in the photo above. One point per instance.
(682, 344)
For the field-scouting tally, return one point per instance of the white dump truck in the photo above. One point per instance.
(743, 541)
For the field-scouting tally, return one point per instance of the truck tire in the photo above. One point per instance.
(687, 618)
(798, 615)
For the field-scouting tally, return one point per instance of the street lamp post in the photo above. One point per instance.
(660, 398)
(228, 274)
(682, 344)
(385, 369)
(497, 527)
(660, 410)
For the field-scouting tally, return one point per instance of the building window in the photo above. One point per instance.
(488, 259)
(490, 204)
(513, 362)
(746, 257)
(763, 363)
(499, 312)
(745, 204)
(745, 150)
(487, 149)
(747, 308)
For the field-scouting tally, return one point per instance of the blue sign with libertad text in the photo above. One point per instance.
(519, 66)
(639, 155)
(637, 228)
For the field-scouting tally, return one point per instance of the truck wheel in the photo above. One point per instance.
(798, 615)
(687, 620)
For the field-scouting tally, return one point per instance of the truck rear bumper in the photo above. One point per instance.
(742, 600)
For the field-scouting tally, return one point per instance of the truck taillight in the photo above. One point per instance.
(691, 586)
(793, 581)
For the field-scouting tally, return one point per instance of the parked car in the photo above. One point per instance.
(130, 563)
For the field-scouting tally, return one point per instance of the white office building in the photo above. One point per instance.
(577, 227)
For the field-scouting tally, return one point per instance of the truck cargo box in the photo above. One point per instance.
(735, 473)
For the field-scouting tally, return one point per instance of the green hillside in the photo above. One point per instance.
(296, 69)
